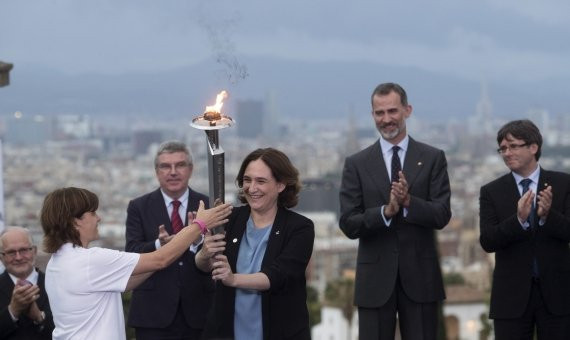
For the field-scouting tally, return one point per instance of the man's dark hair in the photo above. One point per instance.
(385, 89)
(524, 130)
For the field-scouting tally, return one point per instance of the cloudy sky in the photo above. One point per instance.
(507, 41)
(516, 39)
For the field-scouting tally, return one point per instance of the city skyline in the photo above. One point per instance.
(98, 85)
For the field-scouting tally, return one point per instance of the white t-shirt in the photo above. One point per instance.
(84, 288)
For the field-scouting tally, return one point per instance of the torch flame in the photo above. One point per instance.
(219, 103)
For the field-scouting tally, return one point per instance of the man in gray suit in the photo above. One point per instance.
(394, 195)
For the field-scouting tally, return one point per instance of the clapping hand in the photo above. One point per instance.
(400, 190)
(23, 295)
(544, 202)
(163, 236)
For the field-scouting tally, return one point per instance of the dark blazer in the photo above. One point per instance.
(408, 246)
(155, 302)
(515, 248)
(284, 305)
(24, 329)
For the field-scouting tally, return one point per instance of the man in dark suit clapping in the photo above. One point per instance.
(172, 303)
(525, 221)
(394, 195)
(24, 305)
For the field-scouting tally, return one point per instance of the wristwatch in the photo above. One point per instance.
(40, 323)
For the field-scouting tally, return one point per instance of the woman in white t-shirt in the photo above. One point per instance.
(84, 284)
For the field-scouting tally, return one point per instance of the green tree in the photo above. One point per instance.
(340, 294)
(314, 306)
(126, 305)
(453, 279)
(486, 328)
(441, 330)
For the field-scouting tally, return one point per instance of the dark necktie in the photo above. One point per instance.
(396, 165)
(525, 183)
(175, 219)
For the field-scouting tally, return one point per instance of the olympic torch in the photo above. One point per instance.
(211, 121)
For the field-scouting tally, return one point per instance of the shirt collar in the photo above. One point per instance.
(33, 277)
(183, 199)
(533, 176)
(386, 146)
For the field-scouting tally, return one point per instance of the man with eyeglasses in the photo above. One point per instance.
(525, 221)
(24, 305)
(172, 303)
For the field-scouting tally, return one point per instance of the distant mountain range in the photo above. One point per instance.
(300, 89)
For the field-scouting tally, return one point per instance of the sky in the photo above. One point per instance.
(507, 41)
(510, 38)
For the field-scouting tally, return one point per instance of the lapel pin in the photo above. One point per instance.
(234, 240)
(277, 232)
(419, 163)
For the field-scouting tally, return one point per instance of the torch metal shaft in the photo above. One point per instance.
(216, 166)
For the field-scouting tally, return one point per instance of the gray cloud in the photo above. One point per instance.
(510, 39)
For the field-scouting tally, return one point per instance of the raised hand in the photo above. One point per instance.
(544, 202)
(524, 206)
(400, 190)
(393, 206)
(163, 236)
(215, 216)
(22, 297)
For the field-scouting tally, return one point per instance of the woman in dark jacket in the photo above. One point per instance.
(261, 289)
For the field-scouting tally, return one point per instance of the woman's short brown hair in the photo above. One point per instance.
(283, 171)
(59, 211)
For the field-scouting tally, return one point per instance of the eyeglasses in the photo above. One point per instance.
(165, 167)
(512, 147)
(21, 251)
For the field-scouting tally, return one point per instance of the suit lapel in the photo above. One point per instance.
(508, 195)
(378, 173)
(275, 237)
(190, 205)
(158, 209)
(543, 181)
(413, 163)
(6, 287)
(43, 299)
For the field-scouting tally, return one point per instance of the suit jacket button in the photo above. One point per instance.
(180, 263)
